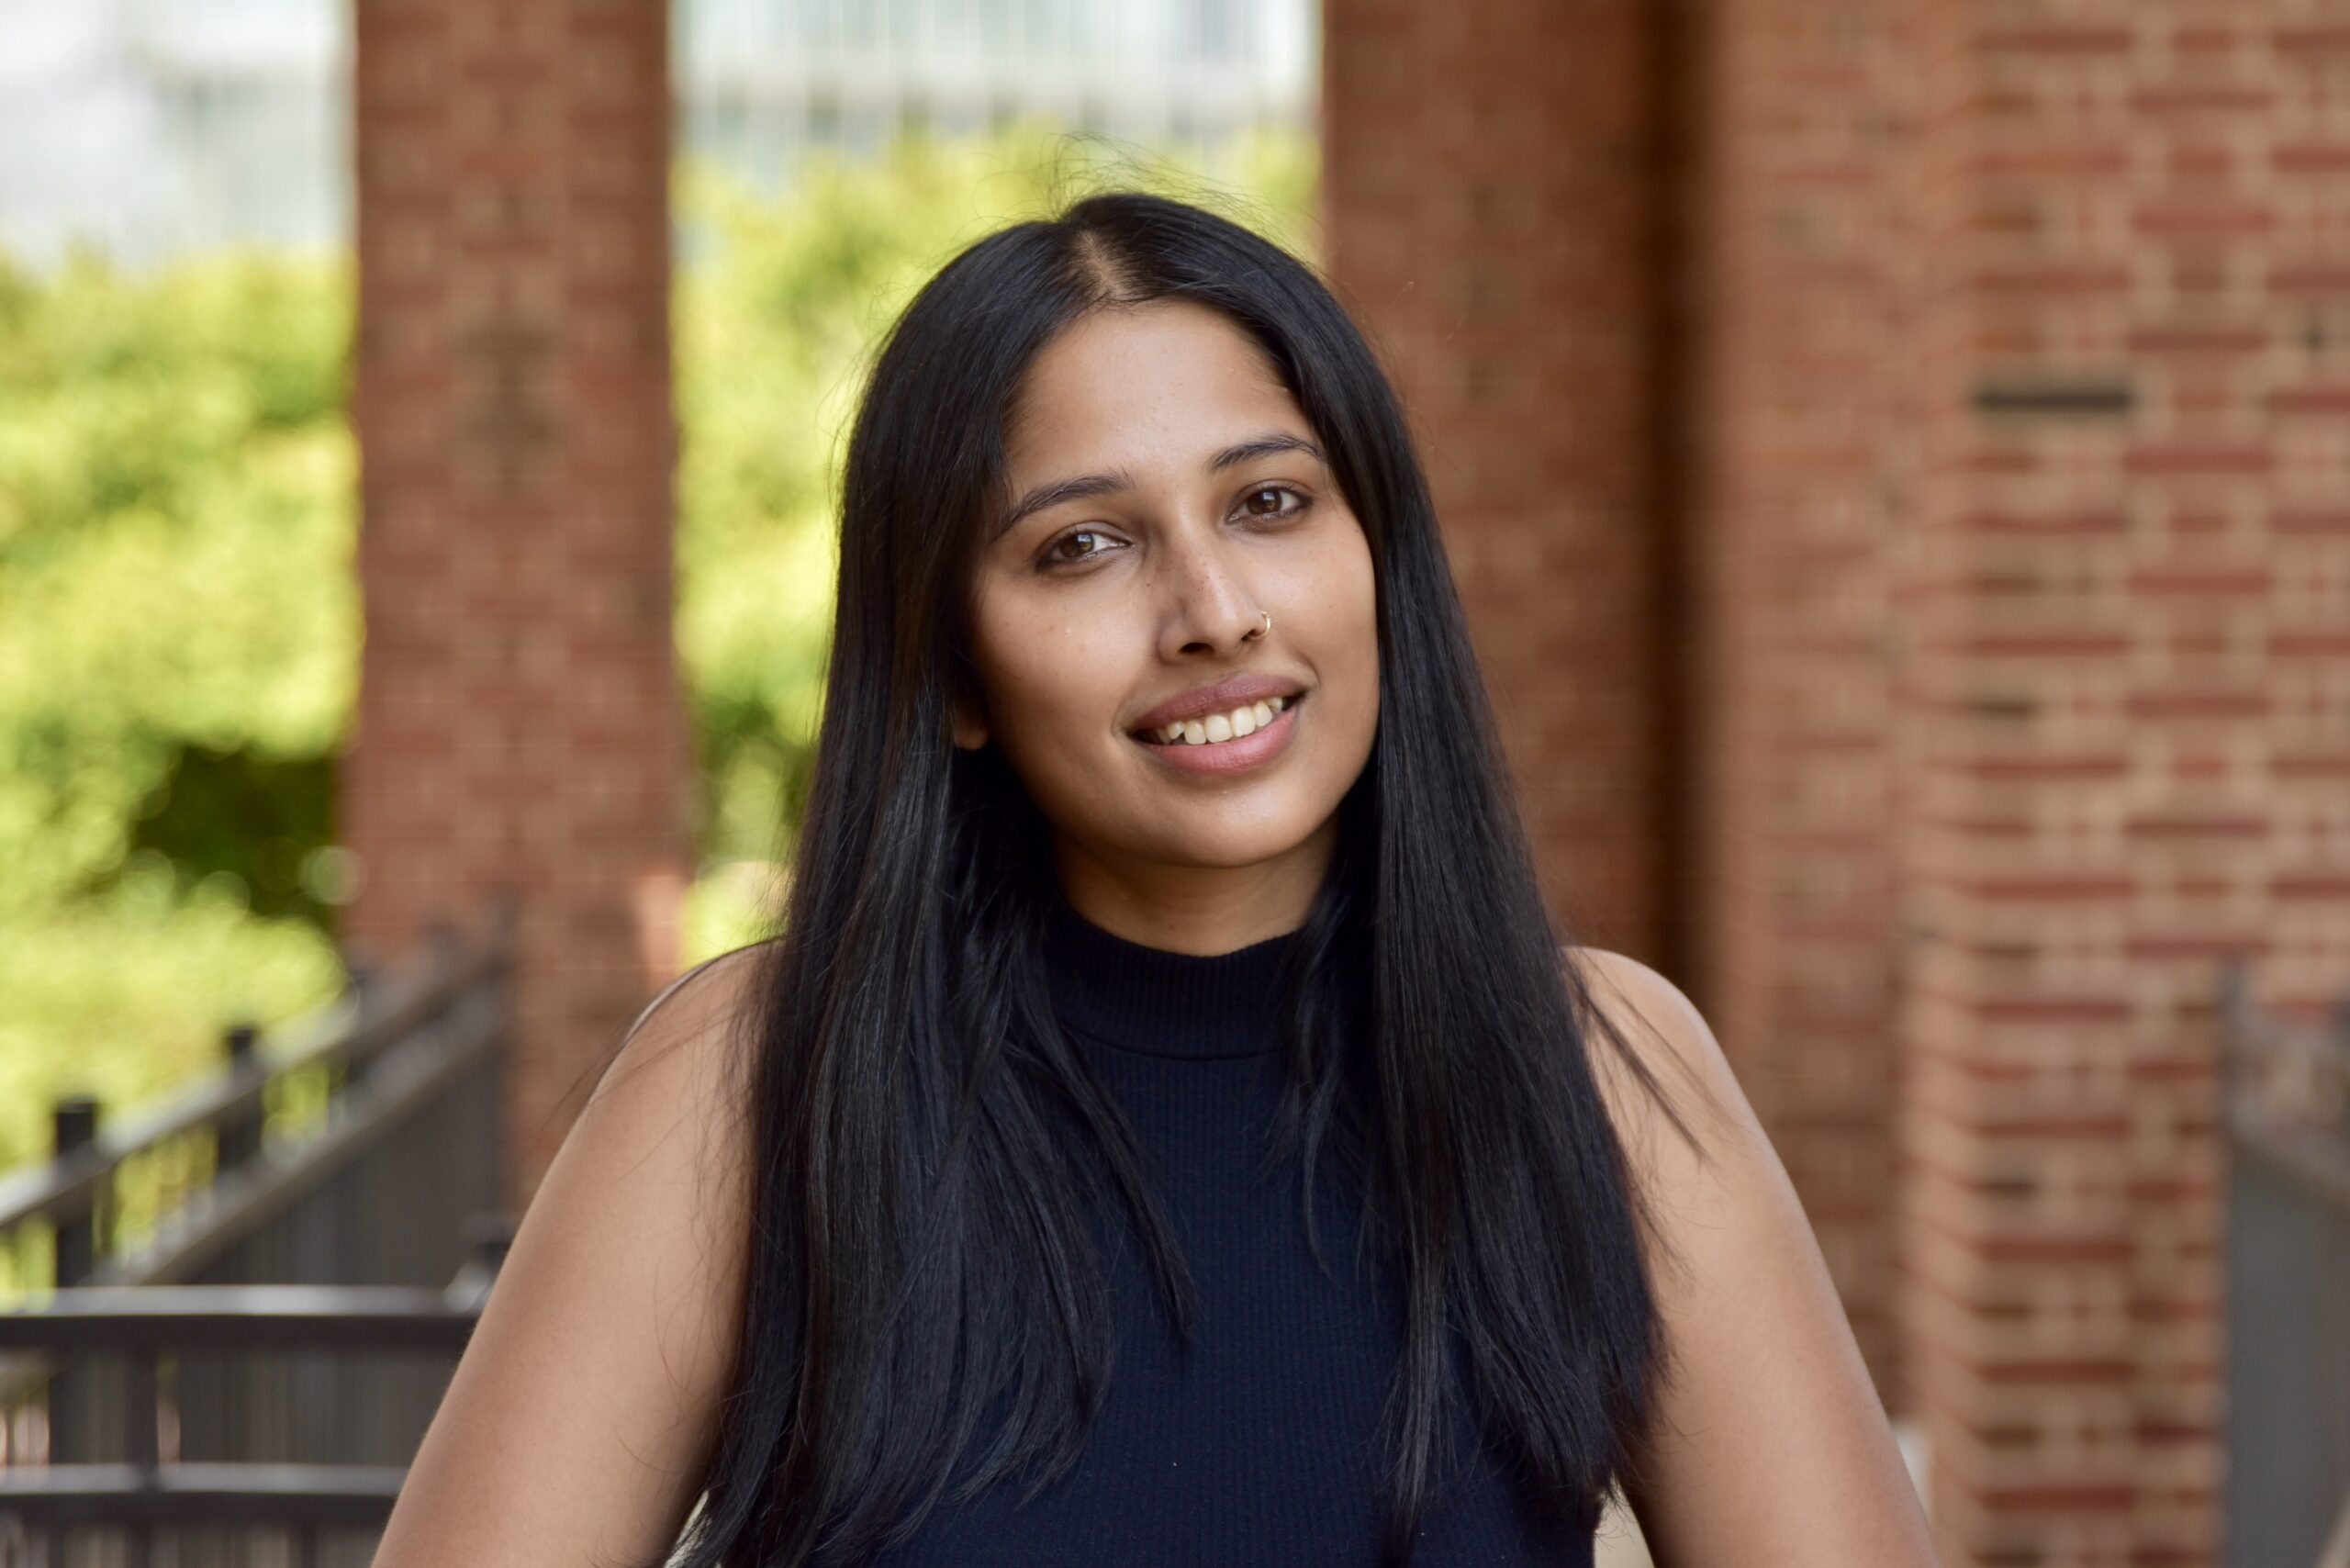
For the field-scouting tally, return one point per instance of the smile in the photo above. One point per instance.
(1217, 728)
(1247, 737)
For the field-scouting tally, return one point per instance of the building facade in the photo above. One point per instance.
(1897, 463)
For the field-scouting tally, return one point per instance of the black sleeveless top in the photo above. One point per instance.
(1264, 1447)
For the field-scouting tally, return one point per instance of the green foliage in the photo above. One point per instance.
(179, 623)
(178, 651)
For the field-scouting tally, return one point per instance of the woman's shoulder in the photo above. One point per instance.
(1694, 1143)
(676, 1087)
(1649, 1028)
(702, 1017)
(707, 992)
(1757, 1335)
(586, 1403)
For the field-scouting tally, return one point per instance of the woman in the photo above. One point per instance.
(1167, 1129)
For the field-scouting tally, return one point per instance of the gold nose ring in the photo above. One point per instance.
(1261, 631)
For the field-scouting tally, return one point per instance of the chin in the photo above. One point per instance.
(1230, 847)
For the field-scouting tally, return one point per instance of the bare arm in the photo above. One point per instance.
(1773, 1448)
(576, 1428)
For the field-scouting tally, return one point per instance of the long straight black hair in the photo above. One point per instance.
(924, 1299)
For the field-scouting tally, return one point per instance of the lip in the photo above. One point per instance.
(1220, 758)
(1221, 698)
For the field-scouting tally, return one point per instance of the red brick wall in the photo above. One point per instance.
(1490, 210)
(2005, 496)
(520, 721)
(2125, 742)
(1796, 391)
(1632, 266)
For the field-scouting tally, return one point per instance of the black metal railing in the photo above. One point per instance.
(247, 1361)
(2288, 1425)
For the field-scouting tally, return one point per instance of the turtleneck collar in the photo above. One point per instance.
(1163, 1003)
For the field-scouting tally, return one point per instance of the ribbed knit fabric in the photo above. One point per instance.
(1263, 1448)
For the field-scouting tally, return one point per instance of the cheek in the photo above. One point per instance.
(1358, 624)
(1050, 685)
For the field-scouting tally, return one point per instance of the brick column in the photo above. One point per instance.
(2121, 719)
(1801, 423)
(1490, 190)
(520, 721)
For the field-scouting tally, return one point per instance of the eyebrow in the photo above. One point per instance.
(1055, 492)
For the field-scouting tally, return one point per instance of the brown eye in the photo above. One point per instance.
(1067, 551)
(1274, 493)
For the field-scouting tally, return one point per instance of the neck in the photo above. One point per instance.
(1156, 1002)
(1201, 910)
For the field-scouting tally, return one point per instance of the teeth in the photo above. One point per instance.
(1215, 728)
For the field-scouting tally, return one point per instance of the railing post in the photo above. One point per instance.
(141, 1416)
(238, 1139)
(75, 1419)
(361, 974)
(74, 1124)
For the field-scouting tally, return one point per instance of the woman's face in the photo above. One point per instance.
(1168, 495)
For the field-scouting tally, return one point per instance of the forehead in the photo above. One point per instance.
(1127, 384)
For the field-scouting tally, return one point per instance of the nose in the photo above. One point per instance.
(1210, 607)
